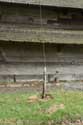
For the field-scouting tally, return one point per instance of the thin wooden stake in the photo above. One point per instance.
(44, 83)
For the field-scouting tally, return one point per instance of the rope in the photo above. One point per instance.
(44, 55)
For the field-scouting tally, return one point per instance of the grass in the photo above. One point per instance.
(16, 106)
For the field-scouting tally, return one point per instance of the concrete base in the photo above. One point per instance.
(24, 62)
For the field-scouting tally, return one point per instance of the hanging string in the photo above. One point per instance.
(65, 101)
(44, 55)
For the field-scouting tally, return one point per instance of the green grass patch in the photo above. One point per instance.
(16, 106)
